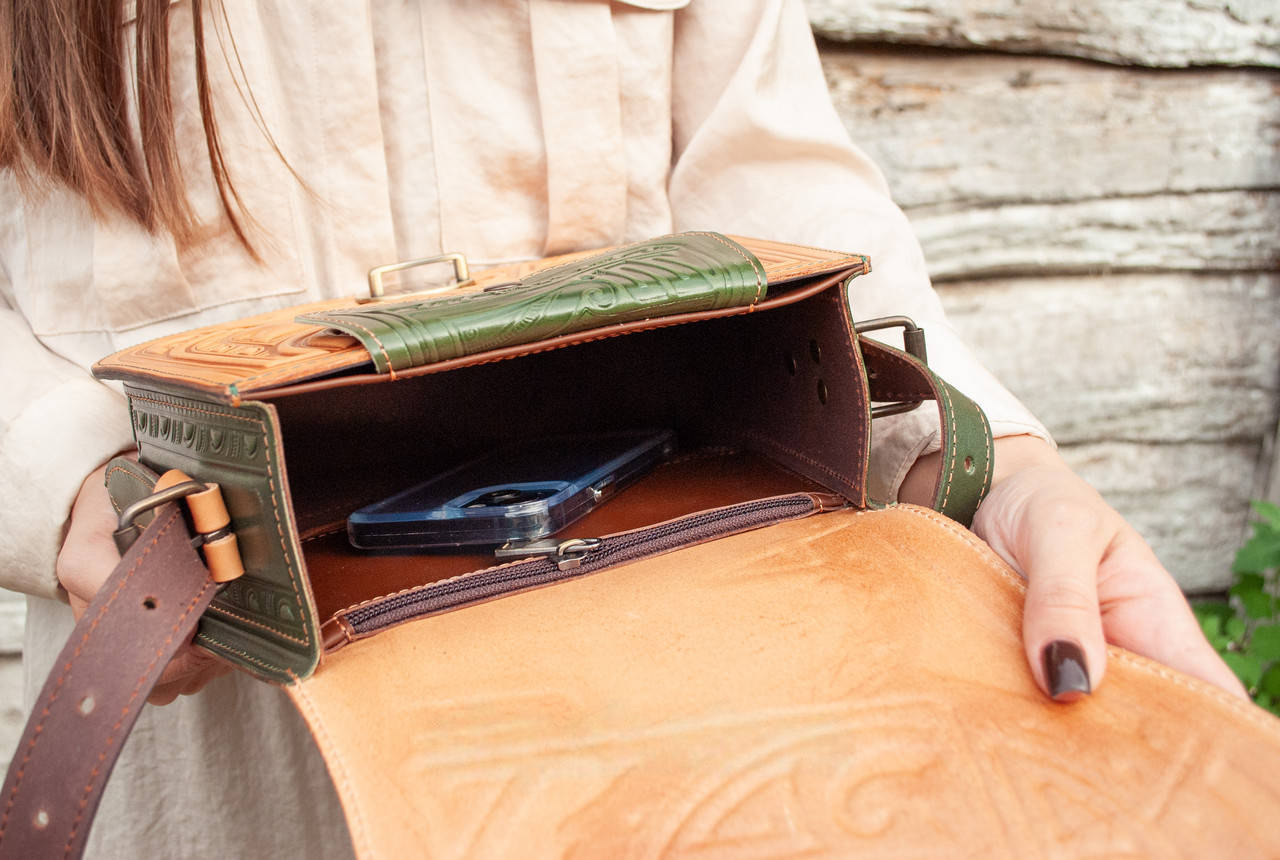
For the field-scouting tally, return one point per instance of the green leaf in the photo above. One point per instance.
(1249, 591)
(1248, 667)
(1265, 641)
(1262, 700)
(1211, 625)
(1235, 629)
(1260, 552)
(1269, 512)
(1269, 683)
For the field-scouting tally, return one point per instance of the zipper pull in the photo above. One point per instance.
(567, 554)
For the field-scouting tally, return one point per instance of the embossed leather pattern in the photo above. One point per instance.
(236, 360)
(687, 273)
(845, 685)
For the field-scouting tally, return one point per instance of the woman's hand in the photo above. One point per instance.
(88, 556)
(1091, 579)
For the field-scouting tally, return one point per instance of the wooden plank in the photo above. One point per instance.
(12, 717)
(1187, 499)
(13, 615)
(1149, 358)
(1216, 231)
(1171, 33)
(984, 130)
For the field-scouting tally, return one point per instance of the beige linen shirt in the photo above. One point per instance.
(506, 129)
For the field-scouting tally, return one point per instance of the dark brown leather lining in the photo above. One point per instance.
(342, 576)
(748, 381)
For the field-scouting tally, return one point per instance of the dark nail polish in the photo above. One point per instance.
(1065, 670)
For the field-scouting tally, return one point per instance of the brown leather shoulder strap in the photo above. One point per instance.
(140, 617)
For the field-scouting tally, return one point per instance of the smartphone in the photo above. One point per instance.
(524, 491)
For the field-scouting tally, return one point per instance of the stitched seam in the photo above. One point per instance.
(391, 371)
(756, 267)
(275, 508)
(208, 638)
(212, 412)
(812, 462)
(1245, 709)
(983, 553)
(336, 763)
(124, 713)
(952, 445)
(224, 611)
(66, 669)
(981, 549)
(411, 589)
(122, 470)
(857, 366)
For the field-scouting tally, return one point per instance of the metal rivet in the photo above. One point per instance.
(41, 820)
(815, 351)
(822, 391)
(87, 704)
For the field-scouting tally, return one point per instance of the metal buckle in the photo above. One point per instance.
(912, 342)
(461, 274)
(127, 530)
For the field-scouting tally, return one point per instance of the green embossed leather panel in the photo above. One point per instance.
(685, 273)
(262, 621)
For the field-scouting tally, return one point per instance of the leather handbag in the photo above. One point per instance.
(740, 654)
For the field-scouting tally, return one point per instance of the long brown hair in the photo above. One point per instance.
(64, 115)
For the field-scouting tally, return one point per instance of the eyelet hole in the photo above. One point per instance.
(969, 468)
(87, 704)
(149, 602)
(791, 364)
(41, 820)
(815, 351)
(822, 392)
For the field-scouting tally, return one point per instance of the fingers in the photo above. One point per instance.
(1091, 579)
(1062, 630)
(187, 673)
(1144, 611)
(88, 553)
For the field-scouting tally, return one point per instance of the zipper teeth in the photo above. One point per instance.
(492, 582)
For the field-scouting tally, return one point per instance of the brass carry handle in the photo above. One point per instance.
(377, 293)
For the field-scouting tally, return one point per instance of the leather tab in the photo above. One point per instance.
(138, 620)
(686, 273)
(968, 452)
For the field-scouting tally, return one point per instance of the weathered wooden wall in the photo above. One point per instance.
(1097, 189)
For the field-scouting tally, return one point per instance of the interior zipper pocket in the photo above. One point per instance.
(557, 561)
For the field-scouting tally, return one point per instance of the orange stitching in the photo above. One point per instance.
(131, 474)
(275, 508)
(755, 265)
(337, 765)
(391, 371)
(124, 713)
(224, 611)
(66, 669)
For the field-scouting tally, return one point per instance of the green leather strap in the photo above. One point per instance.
(968, 454)
(672, 275)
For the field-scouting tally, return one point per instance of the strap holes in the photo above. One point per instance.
(149, 602)
(822, 392)
(815, 352)
(969, 467)
(87, 704)
(791, 364)
(41, 820)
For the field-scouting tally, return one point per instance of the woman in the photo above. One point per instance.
(356, 132)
